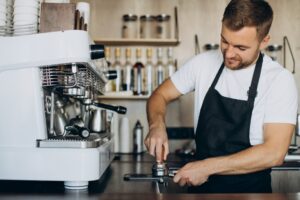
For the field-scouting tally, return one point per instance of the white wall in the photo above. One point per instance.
(201, 17)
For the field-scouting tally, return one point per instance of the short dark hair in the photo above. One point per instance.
(241, 13)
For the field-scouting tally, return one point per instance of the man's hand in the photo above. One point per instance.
(157, 142)
(193, 173)
(157, 139)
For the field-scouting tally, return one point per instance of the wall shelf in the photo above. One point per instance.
(144, 42)
(137, 42)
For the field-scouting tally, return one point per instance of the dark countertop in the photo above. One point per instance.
(112, 186)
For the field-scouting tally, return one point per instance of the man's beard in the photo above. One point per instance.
(237, 63)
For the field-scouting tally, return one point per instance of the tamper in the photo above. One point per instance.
(159, 169)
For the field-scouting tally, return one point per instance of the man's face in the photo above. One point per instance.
(240, 48)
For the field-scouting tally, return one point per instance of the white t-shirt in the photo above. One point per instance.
(276, 100)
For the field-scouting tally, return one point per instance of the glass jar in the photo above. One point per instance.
(163, 26)
(147, 29)
(130, 26)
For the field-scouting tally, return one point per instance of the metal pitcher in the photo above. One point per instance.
(98, 121)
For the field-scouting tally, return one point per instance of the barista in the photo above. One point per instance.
(245, 107)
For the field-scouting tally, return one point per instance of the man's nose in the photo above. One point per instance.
(229, 52)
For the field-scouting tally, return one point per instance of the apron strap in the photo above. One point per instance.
(217, 76)
(252, 92)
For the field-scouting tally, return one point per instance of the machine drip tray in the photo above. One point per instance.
(93, 141)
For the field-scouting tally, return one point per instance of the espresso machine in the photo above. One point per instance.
(52, 128)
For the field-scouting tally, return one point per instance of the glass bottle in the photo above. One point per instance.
(160, 68)
(117, 83)
(171, 68)
(109, 84)
(139, 75)
(149, 72)
(128, 72)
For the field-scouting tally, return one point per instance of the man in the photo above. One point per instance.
(245, 110)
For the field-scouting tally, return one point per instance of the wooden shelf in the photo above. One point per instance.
(143, 42)
(137, 42)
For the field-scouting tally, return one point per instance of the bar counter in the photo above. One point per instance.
(112, 186)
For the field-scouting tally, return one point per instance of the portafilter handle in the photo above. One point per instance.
(118, 109)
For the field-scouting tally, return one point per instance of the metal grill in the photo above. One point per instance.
(69, 76)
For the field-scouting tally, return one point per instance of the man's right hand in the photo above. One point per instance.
(157, 138)
(157, 142)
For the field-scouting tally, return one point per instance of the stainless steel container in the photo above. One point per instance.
(98, 121)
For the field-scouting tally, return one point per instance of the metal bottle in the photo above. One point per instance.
(138, 138)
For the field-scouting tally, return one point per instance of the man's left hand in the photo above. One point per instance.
(193, 174)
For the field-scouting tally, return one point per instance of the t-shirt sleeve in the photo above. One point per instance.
(282, 102)
(185, 77)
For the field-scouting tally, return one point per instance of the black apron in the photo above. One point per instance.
(223, 129)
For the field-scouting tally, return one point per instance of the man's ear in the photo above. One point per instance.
(264, 43)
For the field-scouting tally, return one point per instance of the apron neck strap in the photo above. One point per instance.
(255, 79)
(217, 76)
(252, 92)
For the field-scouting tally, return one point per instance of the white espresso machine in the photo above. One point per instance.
(47, 81)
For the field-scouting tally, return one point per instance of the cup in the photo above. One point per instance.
(125, 136)
(115, 132)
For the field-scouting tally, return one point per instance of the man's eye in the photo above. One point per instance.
(242, 48)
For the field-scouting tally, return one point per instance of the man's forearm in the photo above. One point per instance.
(157, 103)
(250, 160)
(277, 138)
(156, 109)
(256, 158)
(156, 140)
